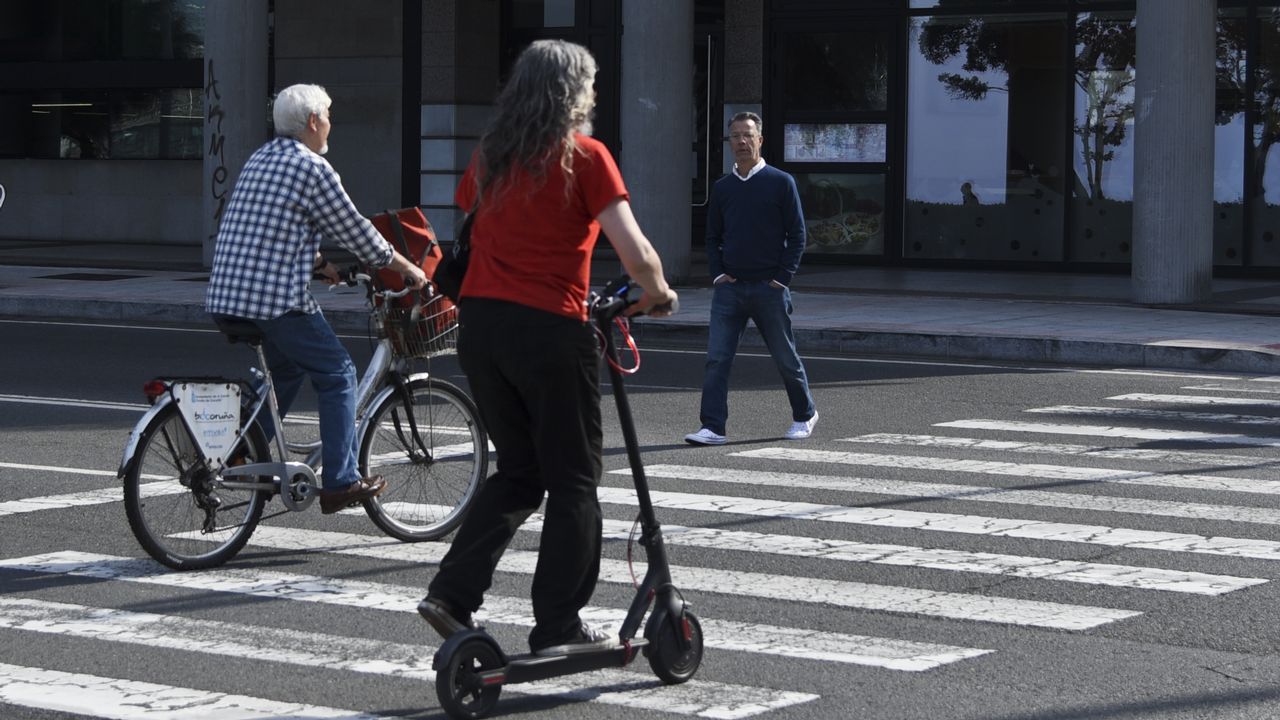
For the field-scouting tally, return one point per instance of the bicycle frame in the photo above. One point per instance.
(296, 481)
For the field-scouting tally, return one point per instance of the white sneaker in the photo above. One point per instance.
(802, 429)
(705, 437)
(588, 639)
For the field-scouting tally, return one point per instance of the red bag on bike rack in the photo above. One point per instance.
(433, 326)
(409, 232)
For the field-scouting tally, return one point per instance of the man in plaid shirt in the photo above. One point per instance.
(286, 200)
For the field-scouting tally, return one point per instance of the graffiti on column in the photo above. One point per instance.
(213, 100)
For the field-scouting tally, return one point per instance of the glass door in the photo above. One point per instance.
(828, 122)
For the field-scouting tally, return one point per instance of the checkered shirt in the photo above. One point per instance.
(286, 200)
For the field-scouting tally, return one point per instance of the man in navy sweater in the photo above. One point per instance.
(755, 236)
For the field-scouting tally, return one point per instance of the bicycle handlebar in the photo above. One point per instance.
(352, 277)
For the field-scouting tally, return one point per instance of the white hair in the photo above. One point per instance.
(294, 105)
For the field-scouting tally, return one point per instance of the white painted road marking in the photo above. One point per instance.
(73, 402)
(1163, 415)
(101, 697)
(1038, 568)
(1033, 470)
(376, 657)
(968, 493)
(1132, 433)
(87, 497)
(1090, 451)
(1194, 399)
(950, 522)
(788, 642)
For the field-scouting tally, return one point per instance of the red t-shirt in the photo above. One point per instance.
(533, 246)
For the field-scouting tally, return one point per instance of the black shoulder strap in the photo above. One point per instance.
(399, 233)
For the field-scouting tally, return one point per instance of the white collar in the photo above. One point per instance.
(759, 166)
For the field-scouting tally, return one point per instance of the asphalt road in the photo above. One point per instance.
(955, 541)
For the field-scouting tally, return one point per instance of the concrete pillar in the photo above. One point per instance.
(1173, 152)
(235, 101)
(657, 119)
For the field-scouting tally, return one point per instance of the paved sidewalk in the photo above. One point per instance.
(1084, 320)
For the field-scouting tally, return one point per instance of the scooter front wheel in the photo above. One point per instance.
(458, 686)
(675, 647)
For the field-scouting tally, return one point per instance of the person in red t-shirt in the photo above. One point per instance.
(541, 190)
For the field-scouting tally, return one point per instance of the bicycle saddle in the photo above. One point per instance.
(238, 329)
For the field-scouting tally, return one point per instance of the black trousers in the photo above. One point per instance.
(536, 379)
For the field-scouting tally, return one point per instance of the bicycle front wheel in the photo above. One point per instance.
(177, 509)
(433, 453)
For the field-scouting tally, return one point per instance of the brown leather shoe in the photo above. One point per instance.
(331, 501)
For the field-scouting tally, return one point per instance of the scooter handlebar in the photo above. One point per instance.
(620, 294)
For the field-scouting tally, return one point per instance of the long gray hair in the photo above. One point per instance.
(548, 98)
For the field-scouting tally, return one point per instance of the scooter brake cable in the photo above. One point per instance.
(625, 327)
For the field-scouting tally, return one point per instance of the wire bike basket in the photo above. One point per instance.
(423, 330)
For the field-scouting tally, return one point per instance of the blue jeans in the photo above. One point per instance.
(299, 345)
(770, 309)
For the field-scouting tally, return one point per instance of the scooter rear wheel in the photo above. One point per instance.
(669, 662)
(458, 685)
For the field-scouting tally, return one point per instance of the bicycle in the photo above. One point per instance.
(198, 468)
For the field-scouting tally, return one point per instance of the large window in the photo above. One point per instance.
(986, 121)
(836, 71)
(1264, 240)
(1228, 133)
(86, 30)
(831, 130)
(101, 79)
(1102, 143)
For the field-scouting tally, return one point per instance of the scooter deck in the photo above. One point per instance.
(528, 667)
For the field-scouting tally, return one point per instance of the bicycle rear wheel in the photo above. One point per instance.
(177, 510)
(432, 475)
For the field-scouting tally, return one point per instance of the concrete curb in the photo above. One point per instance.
(988, 348)
(937, 346)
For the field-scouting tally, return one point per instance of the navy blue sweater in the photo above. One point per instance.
(755, 229)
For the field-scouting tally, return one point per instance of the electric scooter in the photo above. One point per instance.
(470, 666)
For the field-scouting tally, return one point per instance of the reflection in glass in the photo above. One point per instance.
(954, 4)
(150, 124)
(843, 213)
(1228, 134)
(835, 142)
(836, 71)
(1102, 149)
(986, 119)
(1264, 243)
(542, 13)
(79, 30)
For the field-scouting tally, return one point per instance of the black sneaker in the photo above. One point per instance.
(588, 639)
(443, 617)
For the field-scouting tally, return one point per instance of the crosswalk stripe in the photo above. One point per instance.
(1194, 399)
(84, 498)
(864, 596)
(1131, 433)
(1033, 470)
(1091, 451)
(789, 642)
(377, 657)
(1164, 415)
(1039, 568)
(57, 468)
(968, 493)
(950, 522)
(116, 699)
(1227, 388)
(944, 559)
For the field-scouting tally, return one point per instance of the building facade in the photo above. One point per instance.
(933, 133)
